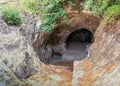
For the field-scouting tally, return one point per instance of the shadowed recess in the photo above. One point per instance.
(82, 36)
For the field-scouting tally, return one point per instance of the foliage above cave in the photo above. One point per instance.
(112, 13)
(52, 12)
(98, 7)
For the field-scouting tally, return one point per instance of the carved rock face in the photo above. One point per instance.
(56, 41)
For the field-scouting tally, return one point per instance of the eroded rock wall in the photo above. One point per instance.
(102, 67)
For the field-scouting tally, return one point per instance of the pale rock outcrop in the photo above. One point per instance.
(15, 47)
(101, 68)
(20, 65)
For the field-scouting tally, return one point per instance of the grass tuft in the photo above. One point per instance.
(11, 15)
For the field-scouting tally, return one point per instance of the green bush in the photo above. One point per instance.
(112, 13)
(98, 7)
(11, 15)
(52, 13)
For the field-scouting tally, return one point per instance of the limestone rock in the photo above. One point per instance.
(16, 51)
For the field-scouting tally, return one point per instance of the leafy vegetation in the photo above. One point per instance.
(98, 7)
(112, 13)
(111, 8)
(11, 15)
(30, 6)
(52, 13)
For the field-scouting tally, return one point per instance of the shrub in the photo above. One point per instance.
(11, 15)
(98, 7)
(112, 13)
(52, 13)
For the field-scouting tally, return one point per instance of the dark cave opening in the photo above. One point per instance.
(81, 36)
(77, 47)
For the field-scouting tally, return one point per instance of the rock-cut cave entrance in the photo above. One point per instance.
(80, 36)
(77, 44)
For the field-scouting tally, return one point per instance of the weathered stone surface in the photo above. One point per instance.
(30, 27)
(10, 45)
(18, 61)
(15, 50)
(25, 68)
(7, 77)
(51, 75)
(102, 66)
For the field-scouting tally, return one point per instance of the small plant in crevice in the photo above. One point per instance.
(11, 15)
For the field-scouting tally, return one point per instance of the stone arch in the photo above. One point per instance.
(77, 21)
(80, 35)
